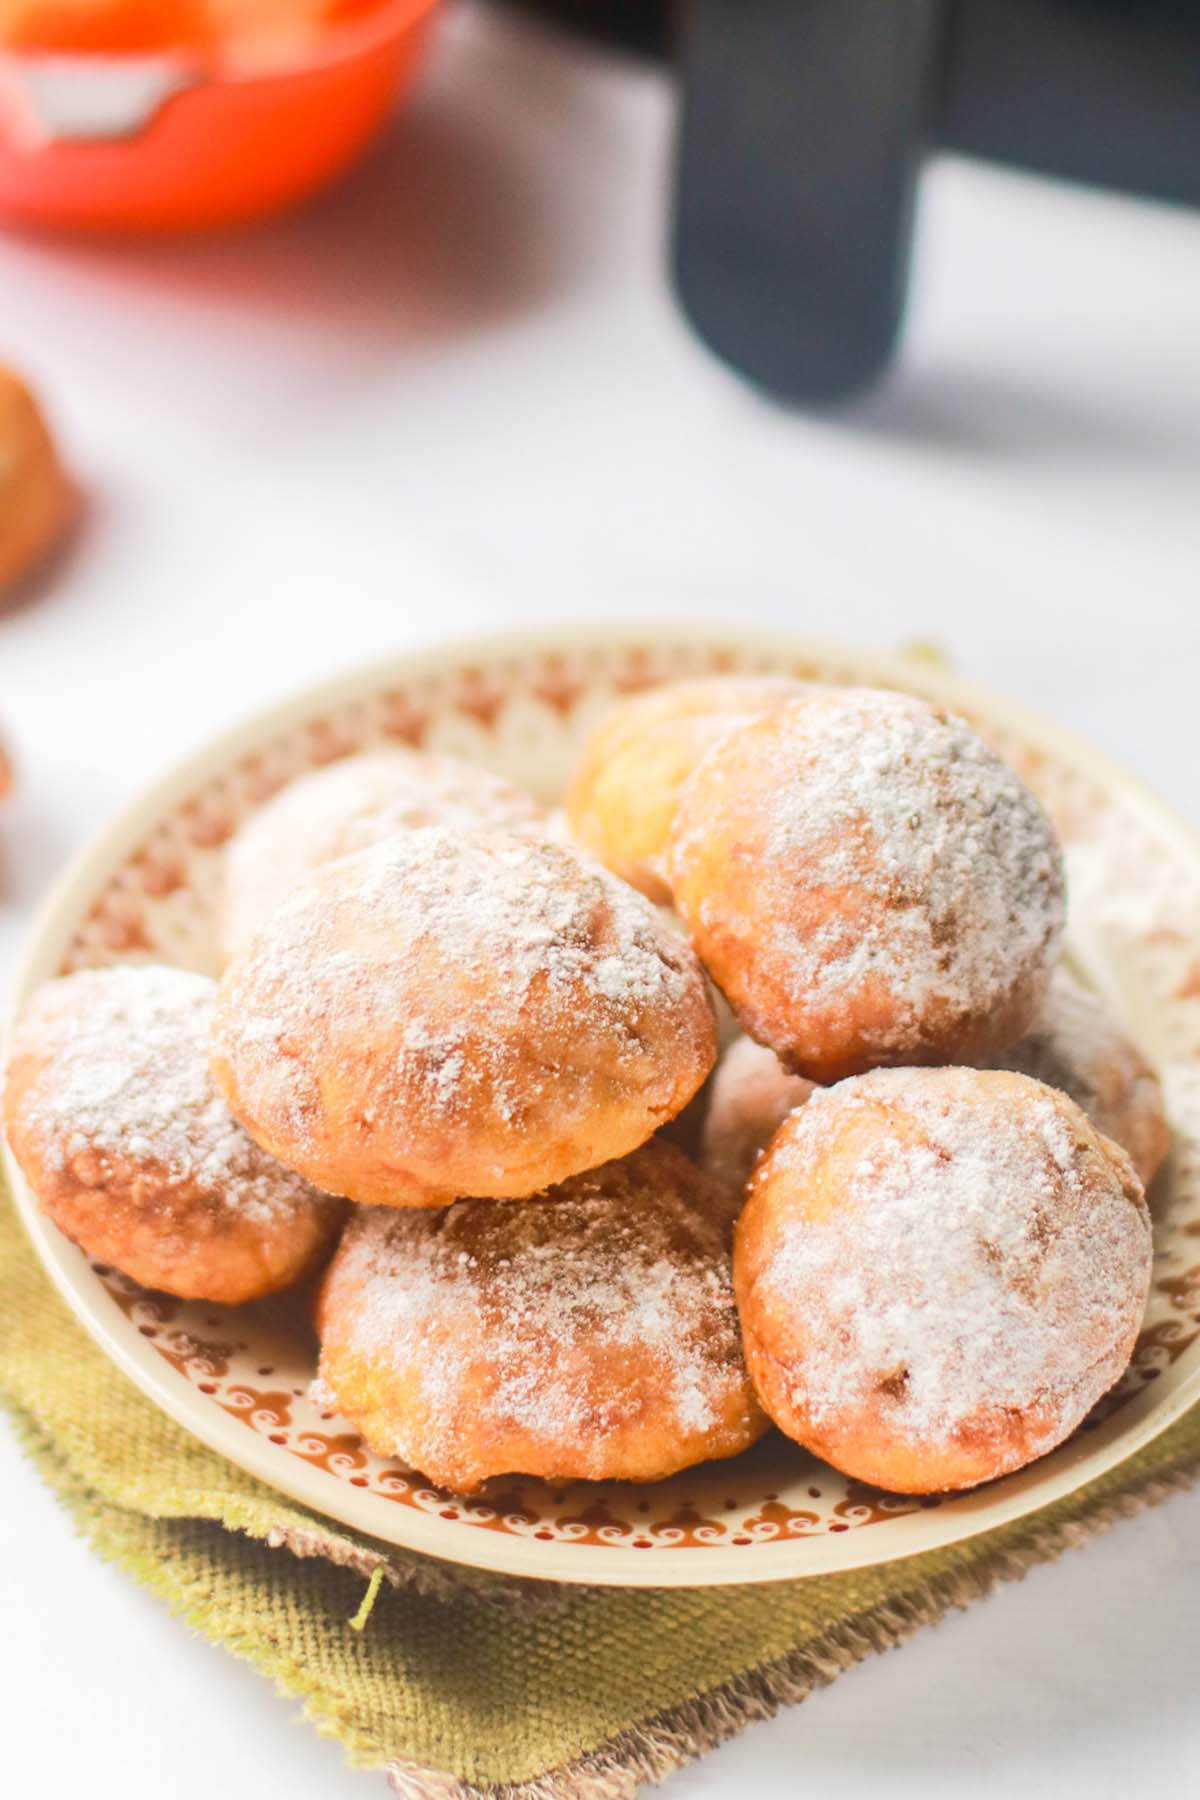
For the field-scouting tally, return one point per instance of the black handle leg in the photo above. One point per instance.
(802, 132)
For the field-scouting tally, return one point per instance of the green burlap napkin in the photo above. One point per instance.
(458, 1684)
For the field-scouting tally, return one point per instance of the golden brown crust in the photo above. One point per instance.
(455, 1014)
(938, 1273)
(112, 1115)
(588, 1334)
(868, 884)
(621, 800)
(35, 495)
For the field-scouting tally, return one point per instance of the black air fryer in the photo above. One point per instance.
(805, 125)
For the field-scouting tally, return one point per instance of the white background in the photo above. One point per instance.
(453, 395)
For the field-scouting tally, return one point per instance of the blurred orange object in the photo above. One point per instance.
(248, 29)
(36, 496)
(191, 113)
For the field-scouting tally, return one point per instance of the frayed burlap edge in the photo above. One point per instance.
(420, 1575)
(649, 1752)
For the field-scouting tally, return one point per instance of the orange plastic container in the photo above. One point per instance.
(177, 141)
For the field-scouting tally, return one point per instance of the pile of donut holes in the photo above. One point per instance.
(752, 1088)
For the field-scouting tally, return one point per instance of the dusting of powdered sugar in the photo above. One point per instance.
(891, 843)
(348, 806)
(979, 1257)
(521, 1317)
(491, 971)
(119, 1071)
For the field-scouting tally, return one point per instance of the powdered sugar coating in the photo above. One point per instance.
(589, 1333)
(939, 1273)
(348, 806)
(868, 883)
(1075, 1045)
(113, 1113)
(450, 1014)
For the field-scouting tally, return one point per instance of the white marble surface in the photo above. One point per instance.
(454, 396)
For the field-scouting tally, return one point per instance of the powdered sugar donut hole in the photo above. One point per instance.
(589, 1334)
(939, 1272)
(453, 1014)
(869, 884)
(113, 1115)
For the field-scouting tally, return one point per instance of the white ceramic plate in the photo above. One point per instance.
(239, 1379)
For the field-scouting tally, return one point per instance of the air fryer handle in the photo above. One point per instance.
(803, 128)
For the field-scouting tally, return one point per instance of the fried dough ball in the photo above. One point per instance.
(348, 806)
(749, 1096)
(112, 1114)
(868, 883)
(588, 1334)
(35, 494)
(939, 1272)
(1077, 1046)
(622, 799)
(450, 1014)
